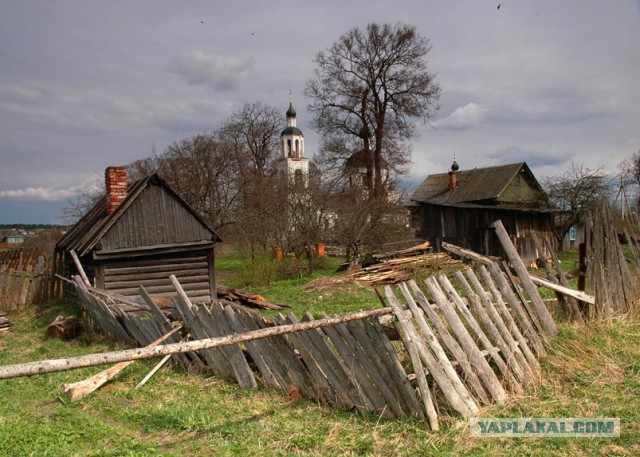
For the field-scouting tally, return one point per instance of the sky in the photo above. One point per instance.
(87, 84)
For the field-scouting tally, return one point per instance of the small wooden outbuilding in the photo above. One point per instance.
(141, 236)
(459, 207)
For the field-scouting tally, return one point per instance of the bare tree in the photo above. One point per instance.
(574, 192)
(80, 203)
(254, 132)
(369, 85)
(630, 169)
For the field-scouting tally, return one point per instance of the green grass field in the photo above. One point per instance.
(593, 371)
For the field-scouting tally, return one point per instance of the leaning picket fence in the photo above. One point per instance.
(466, 340)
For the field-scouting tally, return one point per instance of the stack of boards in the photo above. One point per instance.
(4, 322)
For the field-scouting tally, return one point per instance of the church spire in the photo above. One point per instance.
(291, 113)
(294, 162)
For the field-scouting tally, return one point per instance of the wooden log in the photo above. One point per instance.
(521, 270)
(81, 272)
(50, 366)
(466, 253)
(77, 390)
(64, 328)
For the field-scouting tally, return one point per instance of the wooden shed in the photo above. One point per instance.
(459, 207)
(141, 236)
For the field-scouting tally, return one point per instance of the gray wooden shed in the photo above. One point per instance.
(460, 206)
(141, 236)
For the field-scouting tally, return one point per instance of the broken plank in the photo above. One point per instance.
(564, 290)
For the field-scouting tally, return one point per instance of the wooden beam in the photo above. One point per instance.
(564, 290)
(521, 270)
(83, 275)
(462, 252)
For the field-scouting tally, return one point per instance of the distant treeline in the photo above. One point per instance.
(32, 226)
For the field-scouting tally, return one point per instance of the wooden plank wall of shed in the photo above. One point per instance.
(471, 228)
(193, 270)
(156, 217)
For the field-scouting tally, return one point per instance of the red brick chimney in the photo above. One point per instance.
(116, 183)
(453, 179)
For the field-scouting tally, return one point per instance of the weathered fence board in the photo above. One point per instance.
(24, 279)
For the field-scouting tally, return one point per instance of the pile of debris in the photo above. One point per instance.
(248, 299)
(398, 266)
(4, 322)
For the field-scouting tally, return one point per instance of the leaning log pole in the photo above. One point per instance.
(90, 360)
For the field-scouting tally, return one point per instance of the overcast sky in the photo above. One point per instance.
(89, 84)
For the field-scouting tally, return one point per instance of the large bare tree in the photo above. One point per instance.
(370, 85)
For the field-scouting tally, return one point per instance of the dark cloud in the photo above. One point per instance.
(220, 73)
(87, 85)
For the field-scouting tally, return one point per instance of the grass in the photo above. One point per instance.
(322, 291)
(592, 371)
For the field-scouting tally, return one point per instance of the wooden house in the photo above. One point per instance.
(141, 236)
(459, 207)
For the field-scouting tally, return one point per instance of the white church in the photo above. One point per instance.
(293, 163)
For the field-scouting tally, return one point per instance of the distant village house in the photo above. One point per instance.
(459, 207)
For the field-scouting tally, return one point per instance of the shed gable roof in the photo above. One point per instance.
(96, 223)
(478, 185)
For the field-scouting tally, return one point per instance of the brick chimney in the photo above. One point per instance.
(116, 184)
(453, 179)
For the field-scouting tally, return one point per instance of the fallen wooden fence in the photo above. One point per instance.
(462, 350)
(468, 340)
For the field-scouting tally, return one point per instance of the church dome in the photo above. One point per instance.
(292, 131)
(291, 112)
